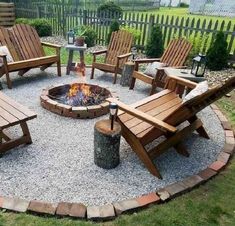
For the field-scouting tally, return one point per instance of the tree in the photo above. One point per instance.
(217, 54)
(113, 27)
(154, 47)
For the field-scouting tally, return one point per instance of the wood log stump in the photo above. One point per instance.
(107, 144)
(127, 73)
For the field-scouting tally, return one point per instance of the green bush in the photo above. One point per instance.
(110, 9)
(90, 35)
(217, 54)
(155, 46)
(42, 26)
(183, 5)
(135, 32)
(113, 27)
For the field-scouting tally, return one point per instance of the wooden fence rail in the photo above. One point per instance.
(64, 17)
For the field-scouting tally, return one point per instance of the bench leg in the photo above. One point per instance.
(26, 132)
(92, 72)
(9, 83)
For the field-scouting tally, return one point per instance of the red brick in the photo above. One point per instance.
(230, 140)
(148, 199)
(100, 212)
(217, 166)
(223, 157)
(226, 125)
(192, 181)
(78, 210)
(42, 207)
(229, 148)
(125, 205)
(163, 194)
(15, 204)
(229, 133)
(63, 208)
(207, 173)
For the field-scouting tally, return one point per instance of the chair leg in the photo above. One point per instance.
(115, 77)
(59, 68)
(133, 80)
(201, 130)
(92, 72)
(9, 83)
(26, 132)
(153, 89)
(181, 149)
(139, 149)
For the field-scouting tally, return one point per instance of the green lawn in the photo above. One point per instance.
(211, 204)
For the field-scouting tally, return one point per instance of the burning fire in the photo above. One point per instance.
(79, 88)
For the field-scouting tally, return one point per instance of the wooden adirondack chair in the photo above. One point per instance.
(174, 56)
(27, 52)
(116, 55)
(160, 114)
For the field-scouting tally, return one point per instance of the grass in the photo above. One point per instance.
(211, 204)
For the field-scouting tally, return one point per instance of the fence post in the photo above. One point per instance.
(38, 11)
(85, 17)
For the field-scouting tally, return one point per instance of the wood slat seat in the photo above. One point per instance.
(116, 55)
(27, 51)
(175, 56)
(161, 114)
(11, 114)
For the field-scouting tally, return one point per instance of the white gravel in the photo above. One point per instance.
(59, 165)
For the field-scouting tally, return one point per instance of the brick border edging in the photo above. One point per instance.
(110, 211)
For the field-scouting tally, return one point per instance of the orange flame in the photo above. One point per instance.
(75, 88)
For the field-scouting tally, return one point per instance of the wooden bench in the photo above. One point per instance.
(26, 50)
(13, 114)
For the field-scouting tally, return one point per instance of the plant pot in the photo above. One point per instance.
(80, 41)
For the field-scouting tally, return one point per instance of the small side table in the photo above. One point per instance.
(127, 73)
(107, 144)
(183, 73)
(71, 49)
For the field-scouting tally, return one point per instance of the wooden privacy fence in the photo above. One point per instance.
(64, 17)
(7, 14)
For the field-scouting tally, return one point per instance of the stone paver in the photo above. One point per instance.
(42, 207)
(207, 173)
(175, 189)
(192, 181)
(63, 208)
(15, 204)
(229, 148)
(100, 212)
(163, 194)
(78, 210)
(125, 205)
(223, 157)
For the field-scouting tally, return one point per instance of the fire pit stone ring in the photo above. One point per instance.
(76, 100)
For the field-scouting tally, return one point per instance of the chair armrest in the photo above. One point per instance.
(145, 61)
(173, 81)
(165, 127)
(3, 55)
(50, 45)
(124, 55)
(100, 52)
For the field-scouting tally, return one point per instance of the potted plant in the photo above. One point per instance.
(79, 36)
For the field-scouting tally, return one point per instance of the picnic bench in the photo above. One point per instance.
(13, 114)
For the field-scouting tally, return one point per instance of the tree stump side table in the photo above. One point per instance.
(127, 73)
(107, 144)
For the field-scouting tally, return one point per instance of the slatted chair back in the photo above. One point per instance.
(120, 43)
(176, 53)
(7, 39)
(28, 40)
(196, 104)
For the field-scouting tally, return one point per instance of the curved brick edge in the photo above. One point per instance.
(74, 112)
(110, 211)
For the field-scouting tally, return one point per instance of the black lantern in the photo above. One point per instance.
(134, 52)
(70, 37)
(113, 107)
(199, 65)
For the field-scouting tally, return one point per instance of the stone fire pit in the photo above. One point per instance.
(76, 100)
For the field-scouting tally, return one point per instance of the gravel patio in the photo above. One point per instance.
(59, 165)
